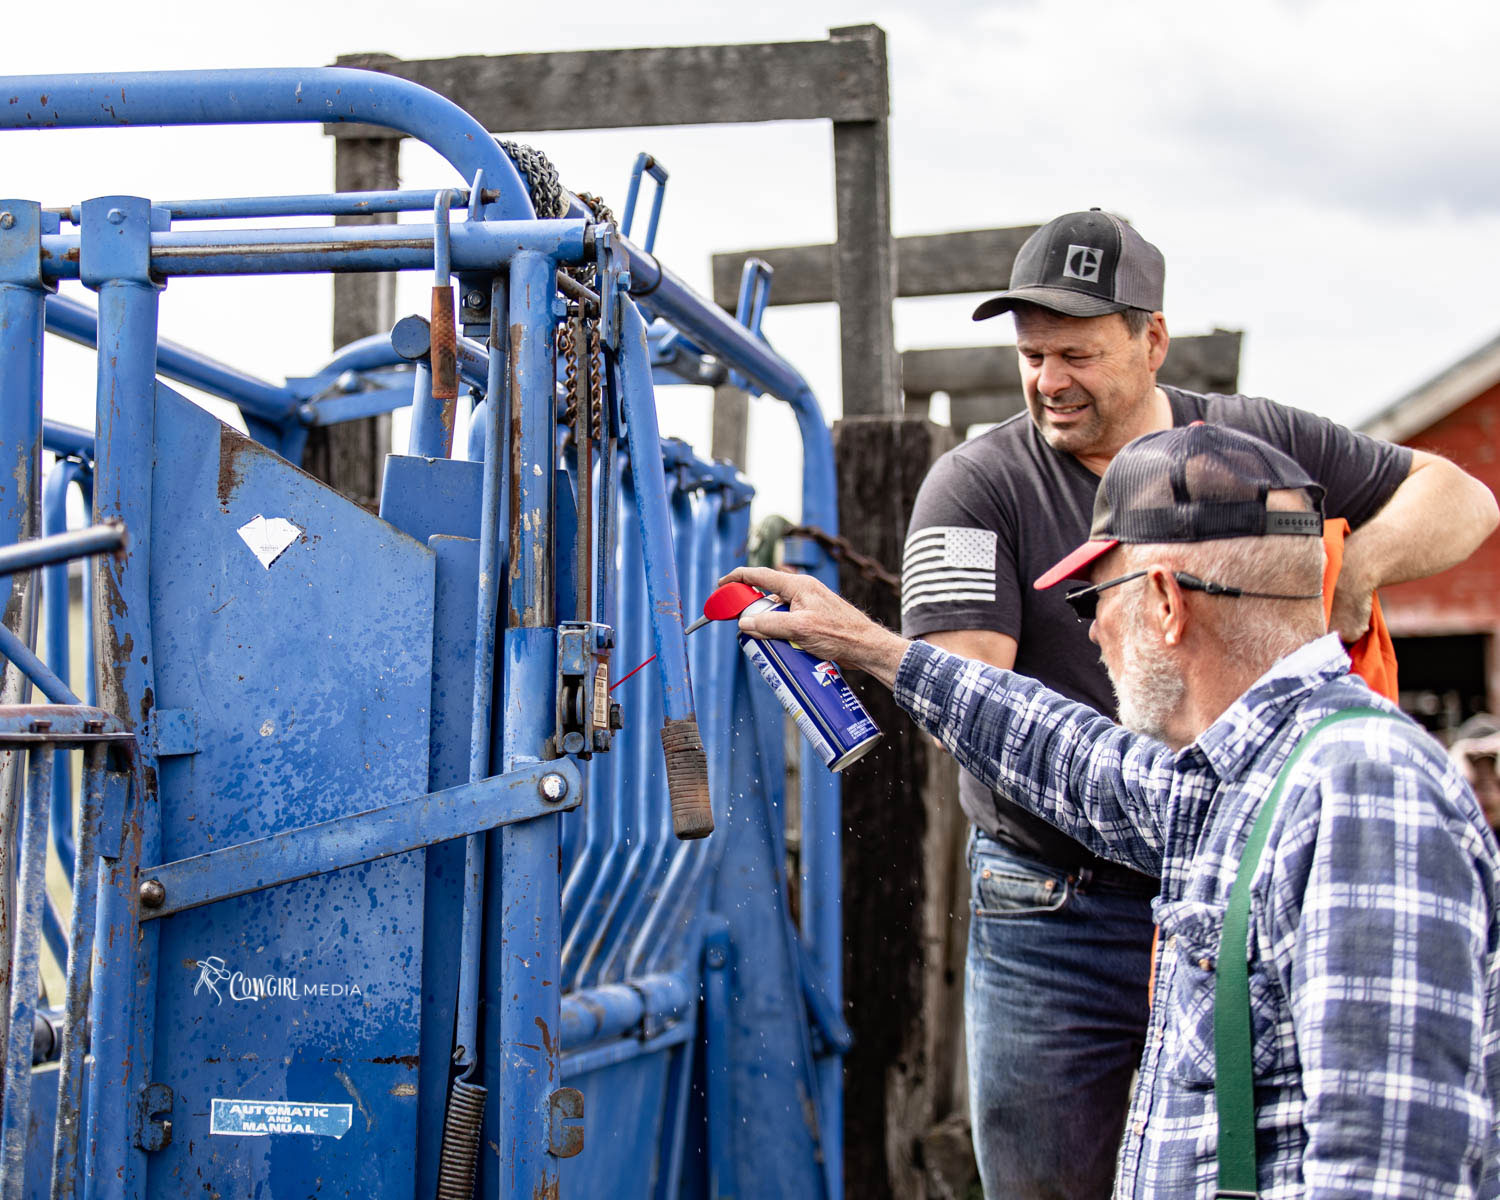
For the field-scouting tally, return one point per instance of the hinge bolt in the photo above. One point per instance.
(153, 894)
(552, 787)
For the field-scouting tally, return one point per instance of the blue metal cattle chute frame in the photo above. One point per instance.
(373, 878)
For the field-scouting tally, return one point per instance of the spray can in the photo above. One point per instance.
(813, 690)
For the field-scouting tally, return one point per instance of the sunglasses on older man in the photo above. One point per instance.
(1085, 601)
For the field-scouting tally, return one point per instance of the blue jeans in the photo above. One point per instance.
(1055, 1009)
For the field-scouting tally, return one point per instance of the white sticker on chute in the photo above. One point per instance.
(261, 1118)
(268, 540)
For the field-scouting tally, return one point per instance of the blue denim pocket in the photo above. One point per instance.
(1004, 886)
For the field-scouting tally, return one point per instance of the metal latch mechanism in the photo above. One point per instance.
(586, 717)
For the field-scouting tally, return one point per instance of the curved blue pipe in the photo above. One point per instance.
(274, 96)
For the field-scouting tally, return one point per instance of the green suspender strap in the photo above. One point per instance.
(1234, 1080)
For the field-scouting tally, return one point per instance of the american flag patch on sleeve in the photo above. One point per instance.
(947, 564)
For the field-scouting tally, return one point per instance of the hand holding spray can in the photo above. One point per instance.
(813, 690)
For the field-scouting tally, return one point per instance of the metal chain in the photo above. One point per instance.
(541, 179)
(567, 346)
(596, 389)
(841, 549)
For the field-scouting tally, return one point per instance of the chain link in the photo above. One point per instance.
(841, 549)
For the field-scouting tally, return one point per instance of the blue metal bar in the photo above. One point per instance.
(663, 931)
(494, 507)
(67, 724)
(20, 655)
(326, 204)
(255, 97)
(431, 436)
(645, 163)
(115, 261)
(382, 392)
(588, 883)
(716, 1018)
(442, 252)
(361, 837)
(528, 1017)
(55, 598)
(655, 517)
(476, 245)
(77, 322)
(65, 1159)
(657, 848)
(411, 341)
(25, 973)
(643, 813)
(68, 440)
(108, 538)
(603, 1013)
(22, 294)
(596, 1058)
(107, 1130)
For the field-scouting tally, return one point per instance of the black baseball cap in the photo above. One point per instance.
(1191, 484)
(1083, 264)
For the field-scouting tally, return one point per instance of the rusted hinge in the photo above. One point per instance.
(153, 1117)
(565, 1140)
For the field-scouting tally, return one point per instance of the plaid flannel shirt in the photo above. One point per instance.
(1373, 921)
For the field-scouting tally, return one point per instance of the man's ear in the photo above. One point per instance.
(1157, 341)
(1166, 605)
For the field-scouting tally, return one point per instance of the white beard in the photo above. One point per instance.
(1149, 688)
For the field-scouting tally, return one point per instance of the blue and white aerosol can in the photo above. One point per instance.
(813, 690)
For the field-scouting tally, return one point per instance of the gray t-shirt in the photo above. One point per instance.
(996, 512)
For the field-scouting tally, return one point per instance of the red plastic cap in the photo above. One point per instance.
(726, 603)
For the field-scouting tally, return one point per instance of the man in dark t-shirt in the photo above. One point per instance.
(1059, 944)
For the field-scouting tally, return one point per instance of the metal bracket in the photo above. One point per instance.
(176, 732)
(613, 282)
(755, 294)
(583, 706)
(645, 163)
(564, 1105)
(153, 1125)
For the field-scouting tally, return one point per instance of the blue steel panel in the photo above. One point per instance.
(440, 500)
(311, 680)
(770, 1045)
(623, 1106)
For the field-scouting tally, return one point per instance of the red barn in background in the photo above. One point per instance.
(1445, 627)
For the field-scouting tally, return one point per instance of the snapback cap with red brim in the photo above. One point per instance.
(1196, 483)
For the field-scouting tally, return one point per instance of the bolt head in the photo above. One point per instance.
(552, 787)
(7, 220)
(115, 216)
(153, 894)
(474, 299)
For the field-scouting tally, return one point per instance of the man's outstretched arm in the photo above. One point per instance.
(1433, 521)
(1059, 759)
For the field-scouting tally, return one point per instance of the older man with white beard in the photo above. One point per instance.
(1327, 1013)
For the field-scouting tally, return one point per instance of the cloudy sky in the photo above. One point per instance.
(1322, 176)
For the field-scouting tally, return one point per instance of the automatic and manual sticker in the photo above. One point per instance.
(261, 1118)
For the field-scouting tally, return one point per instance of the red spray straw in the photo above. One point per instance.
(723, 604)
